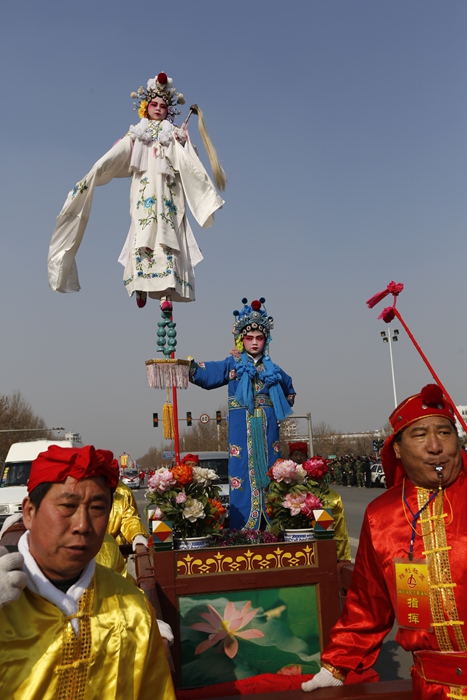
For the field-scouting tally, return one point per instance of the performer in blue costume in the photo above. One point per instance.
(260, 395)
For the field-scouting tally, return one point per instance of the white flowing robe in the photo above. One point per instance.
(160, 251)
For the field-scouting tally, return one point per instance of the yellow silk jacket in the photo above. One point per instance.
(341, 536)
(124, 523)
(118, 653)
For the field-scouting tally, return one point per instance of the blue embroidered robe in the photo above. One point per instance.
(246, 496)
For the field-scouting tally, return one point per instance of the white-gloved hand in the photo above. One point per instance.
(166, 631)
(323, 679)
(139, 539)
(12, 578)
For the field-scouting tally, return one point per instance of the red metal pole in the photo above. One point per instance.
(432, 371)
(175, 409)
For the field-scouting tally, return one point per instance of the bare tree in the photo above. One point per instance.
(18, 422)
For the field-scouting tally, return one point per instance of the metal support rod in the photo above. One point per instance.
(388, 337)
(307, 417)
(310, 435)
(29, 430)
(392, 370)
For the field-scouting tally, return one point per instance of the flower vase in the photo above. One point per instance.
(191, 542)
(324, 524)
(298, 535)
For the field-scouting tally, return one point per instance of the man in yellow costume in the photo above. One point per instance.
(124, 521)
(71, 629)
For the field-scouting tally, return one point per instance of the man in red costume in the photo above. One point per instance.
(411, 563)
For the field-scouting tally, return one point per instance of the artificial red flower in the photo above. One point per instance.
(162, 78)
(183, 474)
(316, 467)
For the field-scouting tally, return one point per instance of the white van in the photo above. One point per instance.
(15, 472)
(219, 461)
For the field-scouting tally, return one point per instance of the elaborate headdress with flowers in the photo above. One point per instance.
(160, 86)
(252, 318)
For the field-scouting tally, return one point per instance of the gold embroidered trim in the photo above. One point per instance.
(442, 599)
(432, 517)
(455, 692)
(76, 651)
(337, 673)
(436, 549)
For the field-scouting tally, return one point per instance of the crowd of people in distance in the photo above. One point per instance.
(352, 470)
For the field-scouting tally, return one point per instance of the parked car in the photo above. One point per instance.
(130, 477)
(377, 475)
(15, 472)
(219, 461)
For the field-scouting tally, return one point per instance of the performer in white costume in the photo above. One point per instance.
(160, 252)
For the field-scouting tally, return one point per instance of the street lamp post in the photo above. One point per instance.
(387, 336)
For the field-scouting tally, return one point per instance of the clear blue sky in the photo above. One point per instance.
(342, 127)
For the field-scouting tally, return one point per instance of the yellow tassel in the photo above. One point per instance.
(168, 421)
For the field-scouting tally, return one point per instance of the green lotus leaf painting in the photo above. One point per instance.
(229, 636)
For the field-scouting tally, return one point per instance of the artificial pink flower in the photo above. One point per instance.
(316, 467)
(284, 470)
(290, 671)
(180, 497)
(294, 501)
(310, 504)
(161, 480)
(225, 629)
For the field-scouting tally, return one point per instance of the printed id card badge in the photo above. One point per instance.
(412, 598)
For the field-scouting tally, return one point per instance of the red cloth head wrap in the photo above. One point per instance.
(298, 447)
(190, 458)
(429, 402)
(54, 465)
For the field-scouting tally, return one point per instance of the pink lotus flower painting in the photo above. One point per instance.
(240, 634)
(226, 629)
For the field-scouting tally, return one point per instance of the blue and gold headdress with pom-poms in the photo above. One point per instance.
(253, 317)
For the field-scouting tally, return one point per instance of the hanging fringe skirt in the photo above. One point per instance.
(166, 373)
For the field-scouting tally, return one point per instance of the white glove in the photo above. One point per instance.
(12, 578)
(139, 539)
(323, 679)
(166, 631)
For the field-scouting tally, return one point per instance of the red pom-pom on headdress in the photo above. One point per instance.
(162, 78)
(432, 395)
(256, 305)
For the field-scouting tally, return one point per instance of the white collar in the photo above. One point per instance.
(256, 359)
(39, 584)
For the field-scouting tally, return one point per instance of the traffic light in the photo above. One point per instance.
(155, 420)
(218, 417)
(188, 417)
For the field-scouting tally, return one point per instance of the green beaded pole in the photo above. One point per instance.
(166, 343)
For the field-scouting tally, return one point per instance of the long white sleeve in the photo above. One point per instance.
(73, 219)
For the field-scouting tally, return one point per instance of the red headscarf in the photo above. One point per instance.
(429, 402)
(57, 463)
(190, 458)
(298, 447)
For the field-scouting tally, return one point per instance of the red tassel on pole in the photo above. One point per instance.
(387, 316)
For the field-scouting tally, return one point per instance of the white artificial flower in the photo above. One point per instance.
(203, 476)
(300, 474)
(165, 134)
(140, 131)
(193, 510)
